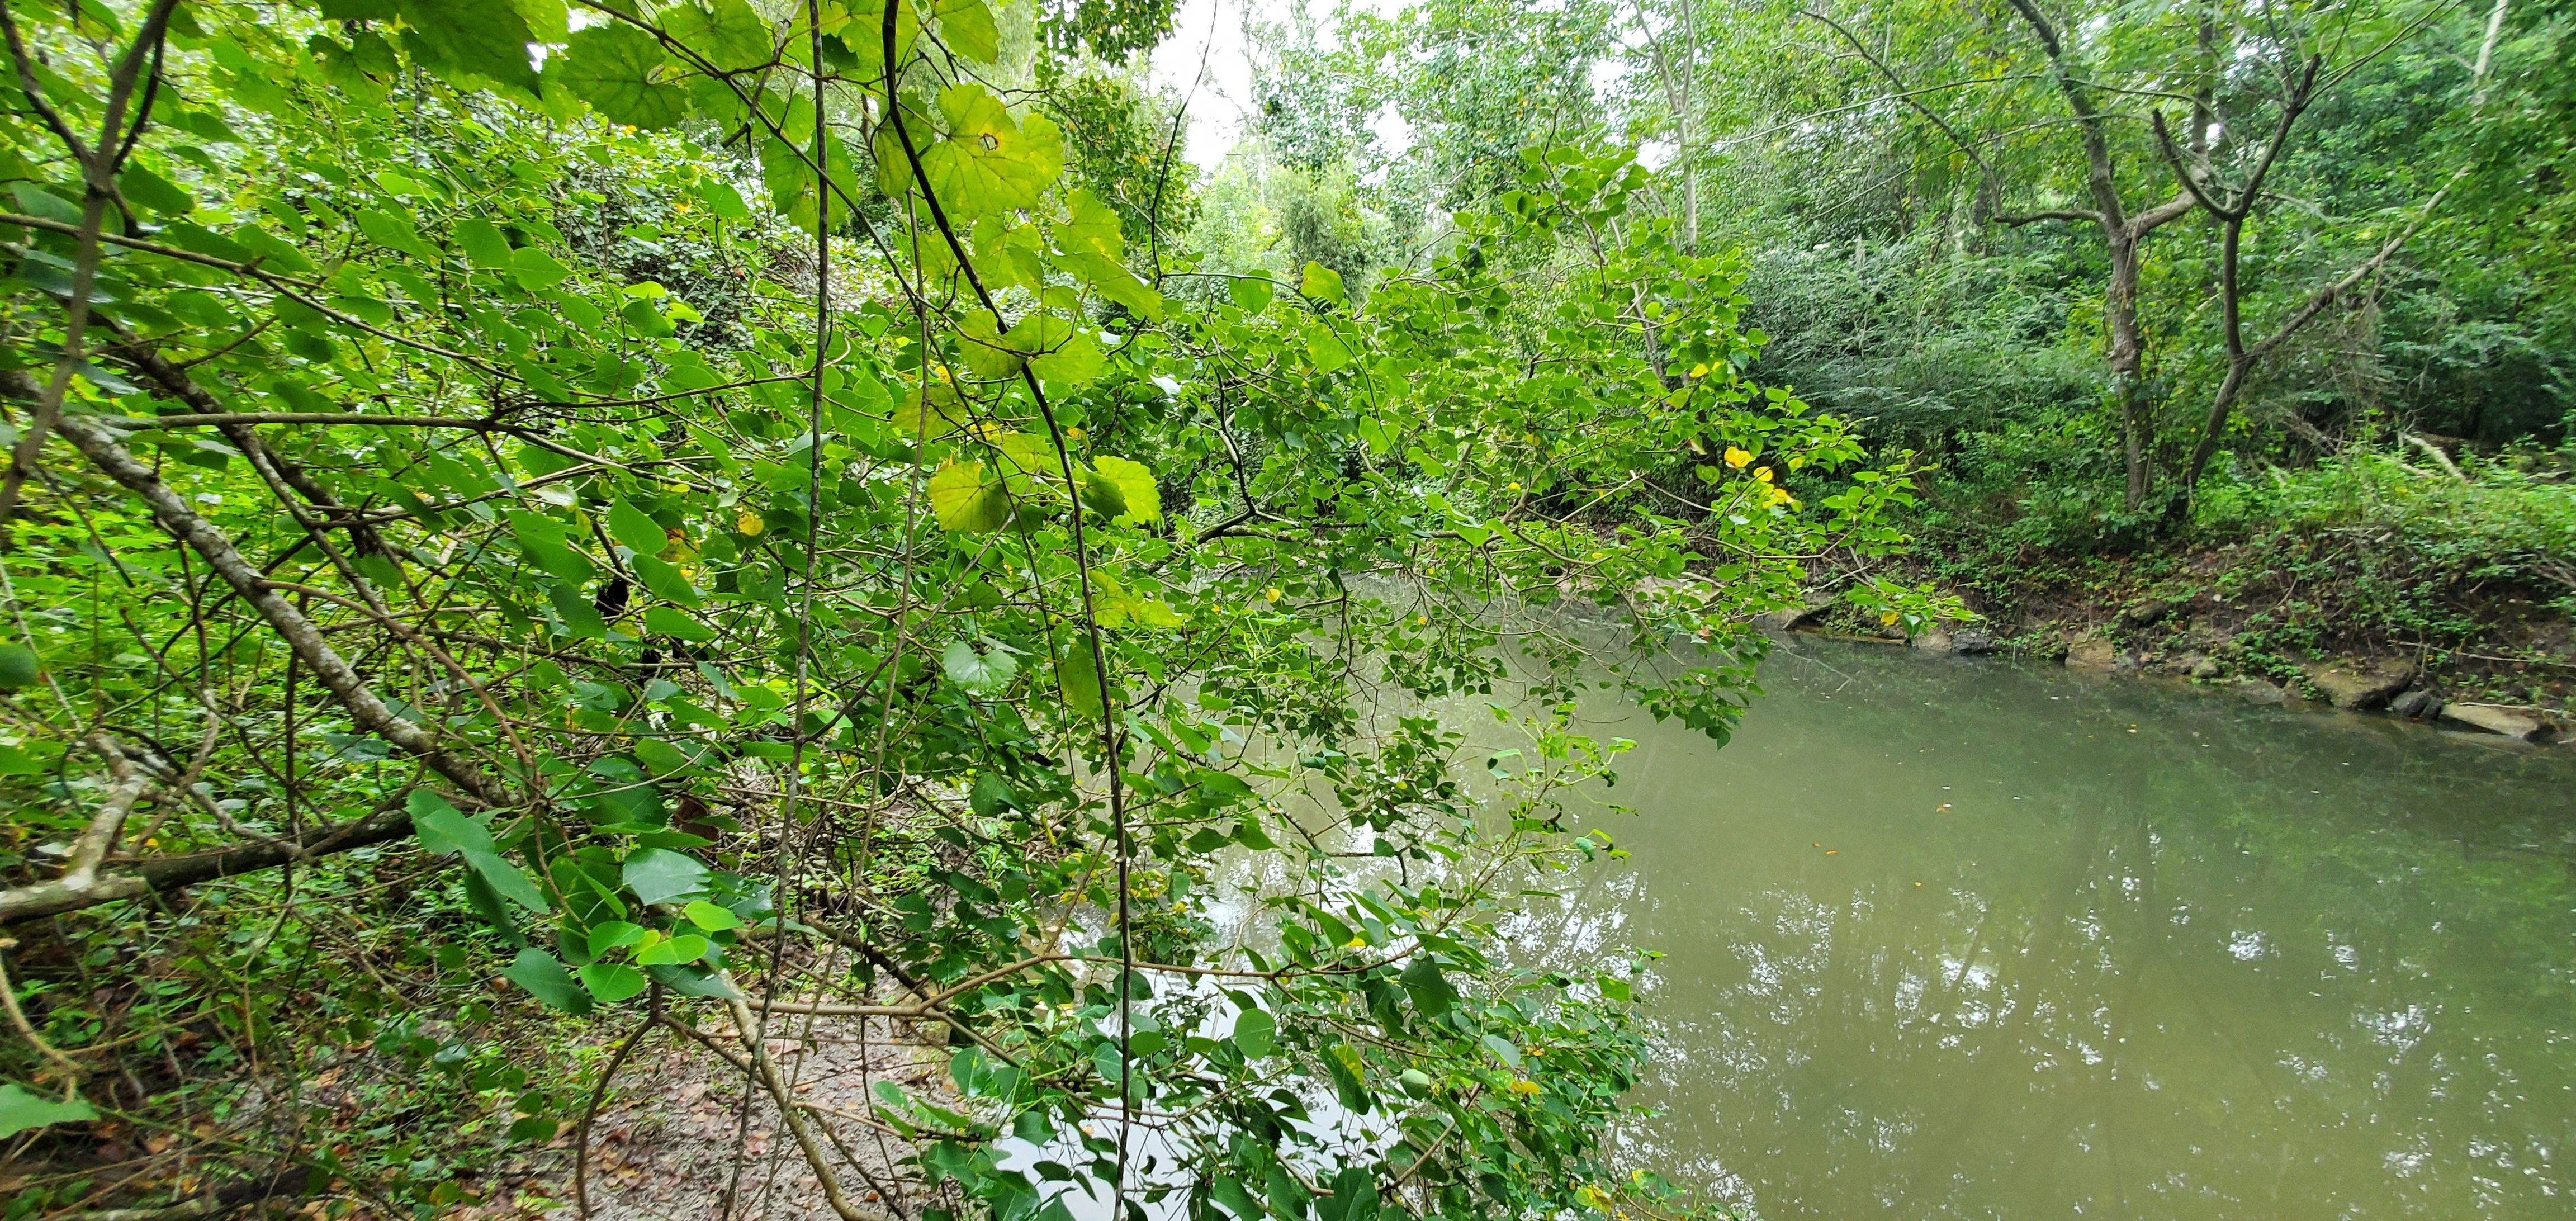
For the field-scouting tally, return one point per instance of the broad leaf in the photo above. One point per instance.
(726, 33)
(1079, 679)
(659, 875)
(612, 982)
(989, 162)
(545, 979)
(1135, 484)
(20, 1111)
(1254, 1032)
(1321, 283)
(981, 673)
(672, 623)
(464, 39)
(636, 528)
(622, 72)
(968, 499)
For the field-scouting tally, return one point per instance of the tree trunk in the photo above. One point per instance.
(2127, 357)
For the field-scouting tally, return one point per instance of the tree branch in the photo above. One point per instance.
(389, 822)
(370, 712)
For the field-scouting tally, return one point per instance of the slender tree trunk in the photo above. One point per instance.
(2127, 361)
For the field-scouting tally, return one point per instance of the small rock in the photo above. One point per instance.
(2142, 614)
(2351, 686)
(1972, 642)
(2207, 668)
(2092, 655)
(2517, 723)
(1794, 618)
(2416, 705)
(1934, 640)
(2259, 691)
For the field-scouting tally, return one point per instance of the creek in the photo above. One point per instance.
(1975, 938)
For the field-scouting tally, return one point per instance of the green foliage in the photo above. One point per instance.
(634, 519)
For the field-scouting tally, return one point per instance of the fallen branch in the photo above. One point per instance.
(388, 823)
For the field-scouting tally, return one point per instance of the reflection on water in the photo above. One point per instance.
(1962, 939)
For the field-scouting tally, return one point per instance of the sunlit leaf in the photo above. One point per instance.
(988, 161)
(968, 499)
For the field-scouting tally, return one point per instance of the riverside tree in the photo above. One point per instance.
(672, 514)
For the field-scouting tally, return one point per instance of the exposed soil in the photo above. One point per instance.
(2226, 617)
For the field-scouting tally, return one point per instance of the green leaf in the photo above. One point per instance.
(966, 26)
(1229, 1194)
(693, 979)
(710, 917)
(664, 580)
(1503, 1048)
(465, 39)
(1432, 995)
(678, 626)
(153, 191)
(1252, 294)
(990, 163)
(1079, 679)
(986, 674)
(612, 982)
(506, 880)
(543, 540)
(987, 353)
(1327, 350)
(664, 758)
(483, 243)
(659, 875)
(1321, 283)
(20, 1110)
(636, 528)
(614, 935)
(624, 73)
(189, 236)
(723, 200)
(687, 947)
(1075, 359)
(545, 979)
(442, 829)
(967, 500)
(536, 270)
(394, 233)
(494, 909)
(1135, 484)
(1287, 1195)
(1255, 1033)
(726, 32)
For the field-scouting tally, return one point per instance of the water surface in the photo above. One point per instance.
(1949, 938)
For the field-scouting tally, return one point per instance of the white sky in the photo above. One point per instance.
(1207, 62)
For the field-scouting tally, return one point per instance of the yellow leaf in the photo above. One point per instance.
(748, 523)
(1737, 458)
